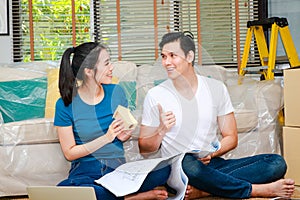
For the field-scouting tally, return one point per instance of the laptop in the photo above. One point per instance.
(61, 193)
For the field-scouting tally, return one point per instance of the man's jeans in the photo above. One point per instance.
(233, 178)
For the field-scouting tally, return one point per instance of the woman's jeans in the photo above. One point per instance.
(85, 174)
(233, 178)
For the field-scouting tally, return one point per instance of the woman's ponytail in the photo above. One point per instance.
(67, 78)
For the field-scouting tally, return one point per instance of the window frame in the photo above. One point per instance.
(175, 24)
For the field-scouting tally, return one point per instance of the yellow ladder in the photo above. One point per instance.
(267, 57)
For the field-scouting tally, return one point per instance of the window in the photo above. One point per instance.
(43, 29)
(132, 29)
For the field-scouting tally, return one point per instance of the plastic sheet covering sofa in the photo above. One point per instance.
(29, 148)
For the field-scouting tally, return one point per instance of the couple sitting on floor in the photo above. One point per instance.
(182, 113)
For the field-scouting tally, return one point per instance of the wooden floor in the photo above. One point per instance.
(295, 196)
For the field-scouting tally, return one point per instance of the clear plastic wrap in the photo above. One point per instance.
(259, 130)
(29, 148)
(31, 154)
(23, 89)
(256, 103)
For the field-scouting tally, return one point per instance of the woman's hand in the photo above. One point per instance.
(124, 135)
(115, 128)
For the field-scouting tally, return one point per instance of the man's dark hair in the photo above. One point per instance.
(186, 41)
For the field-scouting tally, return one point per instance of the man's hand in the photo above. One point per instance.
(167, 121)
(205, 160)
(151, 137)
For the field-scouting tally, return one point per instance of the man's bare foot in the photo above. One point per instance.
(194, 193)
(281, 188)
(149, 195)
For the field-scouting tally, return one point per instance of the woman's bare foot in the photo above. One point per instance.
(194, 193)
(281, 188)
(149, 195)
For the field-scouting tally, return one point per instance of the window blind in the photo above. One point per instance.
(248, 11)
(213, 23)
(17, 31)
(52, 28)
(217, 27)
(136, 35)
(133, 29)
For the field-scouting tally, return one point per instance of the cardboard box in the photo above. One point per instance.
(292, 97)
(125, 114)
(291, 152)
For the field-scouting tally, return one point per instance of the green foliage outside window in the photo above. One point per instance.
(52, 24)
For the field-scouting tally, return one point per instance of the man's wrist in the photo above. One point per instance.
(160, 132)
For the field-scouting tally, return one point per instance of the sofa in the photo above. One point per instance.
(29, 147)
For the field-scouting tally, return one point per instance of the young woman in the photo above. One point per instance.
(89, 136)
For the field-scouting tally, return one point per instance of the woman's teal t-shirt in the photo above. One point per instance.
(92, 121)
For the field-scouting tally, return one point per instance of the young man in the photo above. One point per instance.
(184, 113)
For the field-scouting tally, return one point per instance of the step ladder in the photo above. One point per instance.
(268, 56)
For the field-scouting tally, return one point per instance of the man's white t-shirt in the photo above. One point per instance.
(196, 119)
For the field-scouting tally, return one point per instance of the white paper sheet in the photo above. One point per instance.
(177, 179)
(129, 177)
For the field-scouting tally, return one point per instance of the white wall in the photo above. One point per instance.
(6, 43)
(5, 49)
(290, 10)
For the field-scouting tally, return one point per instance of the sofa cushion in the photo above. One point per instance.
(212, 71)
(23, 99)
(25, 165)
(22, 73)
(147, 77)
(246, 120)
(52, 92)
(28, 132)
(125, 72)
(130, 91)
